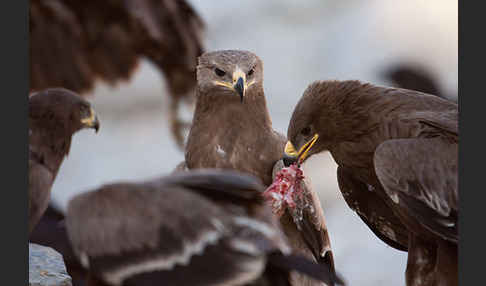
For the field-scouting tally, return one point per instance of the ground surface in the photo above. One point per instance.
(46, 267)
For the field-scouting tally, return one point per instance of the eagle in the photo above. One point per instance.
(55, 114)
(232, 129)
(397, 157)
(73, 44)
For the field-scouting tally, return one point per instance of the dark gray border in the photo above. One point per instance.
(15, 87)
(472, 195)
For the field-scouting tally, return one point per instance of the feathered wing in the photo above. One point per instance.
(159, 230)
(372, 210)
(229, 186)
(70, 47)
(57, 54)
(73, 44)
(420, 176)
(413, 77)
(314, 230)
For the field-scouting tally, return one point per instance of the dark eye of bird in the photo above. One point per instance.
(219, 72)
(84, 109)
(306, 131)
(250, 72)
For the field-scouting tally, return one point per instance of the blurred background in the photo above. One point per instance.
(299, 42)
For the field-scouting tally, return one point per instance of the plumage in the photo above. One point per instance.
(372, 210)
(232, 129)
(73, 44)
(171, 231)
(396, 152)
(54, 116)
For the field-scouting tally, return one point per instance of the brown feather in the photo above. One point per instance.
(174, 232)
(424, 184)
(415, 77)
(74, 44)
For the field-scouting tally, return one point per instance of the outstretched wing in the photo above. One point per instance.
(169, 230)
(74, 43)
(150, 229)
(218, 184)
(420, 176)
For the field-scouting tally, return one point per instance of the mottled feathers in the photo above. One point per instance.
(172, 231)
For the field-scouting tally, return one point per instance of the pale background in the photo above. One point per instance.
(299, 42)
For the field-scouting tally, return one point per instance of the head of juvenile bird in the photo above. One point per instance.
(60, 112)
(328, 113)
(229, 73)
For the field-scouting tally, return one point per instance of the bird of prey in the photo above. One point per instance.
(54, 116)
(51, 231)
(396, 152)
(232, 129)
(204, 227)
(75, 43)
(409, 76)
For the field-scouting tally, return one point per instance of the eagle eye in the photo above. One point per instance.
(305, 131)
(219, 72)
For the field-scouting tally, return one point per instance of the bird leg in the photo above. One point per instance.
(421, 262)
(446, 268)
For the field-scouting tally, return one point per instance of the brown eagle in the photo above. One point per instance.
(55, 114)
(396, 151)
(75, 43)
(232, 129)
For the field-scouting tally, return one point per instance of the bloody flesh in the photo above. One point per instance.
(286, 190)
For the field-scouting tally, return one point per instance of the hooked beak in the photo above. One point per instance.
(240, 87)
(91, 121)
(291, 155)
(239, 83)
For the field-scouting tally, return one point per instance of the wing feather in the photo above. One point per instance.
(372, 210)
(73, 44)
(420, 175)
(169, 226)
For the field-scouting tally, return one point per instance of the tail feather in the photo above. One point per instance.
(305, 266)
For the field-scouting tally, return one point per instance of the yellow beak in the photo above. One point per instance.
(239, 83)
(91, 121)
(302, 154)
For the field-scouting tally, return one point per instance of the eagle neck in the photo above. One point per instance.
(48, 149)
